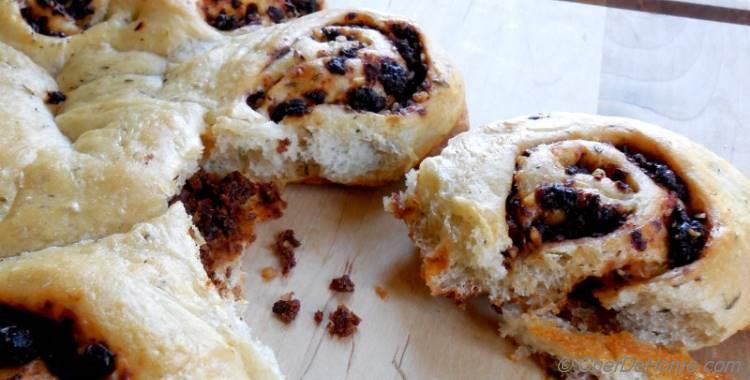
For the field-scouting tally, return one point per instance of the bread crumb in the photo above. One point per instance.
(343, 284)
(269, 273)
(343, 322)
(287, 308)
(318, 317)
(286, 243)
(381, 292)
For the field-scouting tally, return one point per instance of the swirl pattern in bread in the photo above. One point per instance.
(354, 98)
(592, 224)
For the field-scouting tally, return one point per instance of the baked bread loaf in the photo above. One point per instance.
(136, 305)
(349, 97)
(594, 227)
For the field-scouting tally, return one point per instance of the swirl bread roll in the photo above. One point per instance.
(587, 226)
(136, 305)
(51, 31)
(348, 97)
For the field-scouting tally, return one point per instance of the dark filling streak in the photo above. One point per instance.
(687, 234)
(297, 8)
(25, 337)
(399, 83)
(395, 80)
(229, 15)
(255, 99)
(637, 241)
(55, 97)
(337, 65)
(365, 99)
(687, 238)
(78, 10)
(224, 22)
(275, 14)
(514, 214)
(316, 96)
(293, 107)
(585, 215)
(660, 172)
(409, 44)
(351, 52)
(216, 203)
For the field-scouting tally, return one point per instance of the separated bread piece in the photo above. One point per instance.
(611, 225)
(348, 97)
(136, 305)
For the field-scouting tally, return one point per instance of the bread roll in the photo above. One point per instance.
(603, 225)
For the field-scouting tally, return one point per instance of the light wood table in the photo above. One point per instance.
(518, 57)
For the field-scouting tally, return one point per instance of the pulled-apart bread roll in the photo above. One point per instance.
(337, 96)
(136, 305)
(51, 31)
(600, 225)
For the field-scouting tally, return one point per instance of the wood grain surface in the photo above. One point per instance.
(518, 57)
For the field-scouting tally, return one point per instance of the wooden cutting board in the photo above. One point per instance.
(519, 57)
